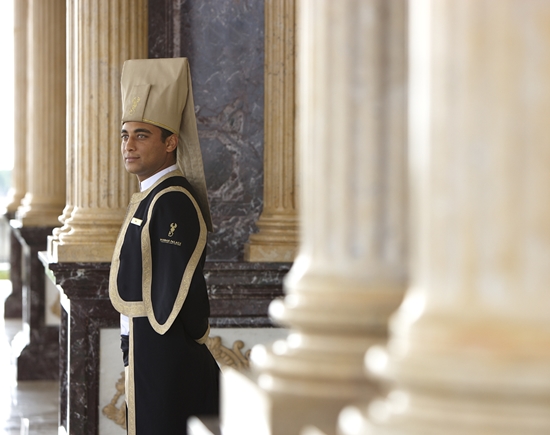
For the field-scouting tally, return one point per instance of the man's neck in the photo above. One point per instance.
(148, 182)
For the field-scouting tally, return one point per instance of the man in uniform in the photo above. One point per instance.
(156, 280)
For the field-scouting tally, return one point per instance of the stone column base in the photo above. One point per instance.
(39, 360)
(270, 252)
(247, 408)
(80, 252)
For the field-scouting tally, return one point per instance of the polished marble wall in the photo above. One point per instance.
(224, 41)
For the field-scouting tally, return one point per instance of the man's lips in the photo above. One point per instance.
(130, 158)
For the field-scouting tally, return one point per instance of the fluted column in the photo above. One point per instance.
(70, 130)
(349, 274)
(19, 173)
(470, 346)
(105, 34)
(45, 122)
(277, 239)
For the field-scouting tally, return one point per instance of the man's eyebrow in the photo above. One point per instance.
(137, 130)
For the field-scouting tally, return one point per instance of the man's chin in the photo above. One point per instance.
(130, 169)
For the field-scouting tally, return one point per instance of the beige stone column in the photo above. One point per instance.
(19, 172)
(470, 346)
(45, 122)
(349, 274)
(70, 130)
(277, 238)
(105, 34)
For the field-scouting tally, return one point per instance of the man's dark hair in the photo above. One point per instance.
(165, 134)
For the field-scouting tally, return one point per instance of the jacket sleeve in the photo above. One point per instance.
(177, 237)
(196, 310)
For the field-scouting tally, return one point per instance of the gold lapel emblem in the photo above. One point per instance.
(173, 227)
(136, 221)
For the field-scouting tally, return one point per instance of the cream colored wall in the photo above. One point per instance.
(52, 305)
(111, 370)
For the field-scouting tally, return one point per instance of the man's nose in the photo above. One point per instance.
(129, 144)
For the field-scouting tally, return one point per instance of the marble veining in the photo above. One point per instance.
(161, 35)
(224, 41)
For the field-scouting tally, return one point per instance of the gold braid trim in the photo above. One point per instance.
(189, 269)
(128, 308)
(130, 393)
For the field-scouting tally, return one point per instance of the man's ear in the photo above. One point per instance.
(171, 142)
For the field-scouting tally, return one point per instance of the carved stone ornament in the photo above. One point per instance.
(114, 412)
(223, 355)
(55, 308)
(229, 357)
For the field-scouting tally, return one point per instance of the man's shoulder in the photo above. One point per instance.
(173, 190)
(176, 180)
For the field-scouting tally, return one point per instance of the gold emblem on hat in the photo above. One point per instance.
(135, 102)
(173, 227)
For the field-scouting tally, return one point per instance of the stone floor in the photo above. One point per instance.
(26, 407)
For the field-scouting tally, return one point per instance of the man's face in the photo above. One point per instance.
(143, 151)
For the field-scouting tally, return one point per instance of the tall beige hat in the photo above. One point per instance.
(159, 92)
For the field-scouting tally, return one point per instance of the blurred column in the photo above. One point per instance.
(470, 346)
(349, 274)
(102, 35)
(45, 121)
(277, 238)
(70, 130)
(18, 174)
(45, 170)
(13, 305)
